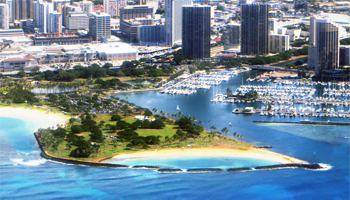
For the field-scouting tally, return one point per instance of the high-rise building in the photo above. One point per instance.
(99, 25)
(173, 20)
(77, 21)
(273, 28)
(255, 29)
(323, 45)
(112, 7)
(9, 4)
(4, 16)
(133, 16)
(278, 43)
(22, 9)
(67, 9)
(86, 6)
(344, 55)
(196, 31)
(55, 22)
(41, 16)
(231, 37)
(151, 34)
(241, 2)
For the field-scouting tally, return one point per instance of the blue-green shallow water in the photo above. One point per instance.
(194, 162)
(24, 175)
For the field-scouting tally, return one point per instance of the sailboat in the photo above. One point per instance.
(177, 107)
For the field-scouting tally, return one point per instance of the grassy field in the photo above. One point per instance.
(111, 147)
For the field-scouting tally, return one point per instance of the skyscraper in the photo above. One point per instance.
(86, 6)
(22, 9)
(255, 28)
(196, 31)
(4, 16)
(173, 20)
(55, 22)
(323, 45)
(41, 16)
(9, 3)
(112, 7)
(66, 9)
(99, 25)
(231, 37)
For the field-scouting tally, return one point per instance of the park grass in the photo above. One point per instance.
(111, 147)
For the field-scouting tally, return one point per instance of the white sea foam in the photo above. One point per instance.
(28, 162)
(325, 167)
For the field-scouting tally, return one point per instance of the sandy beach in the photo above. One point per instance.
(34, 117)
(213, 152)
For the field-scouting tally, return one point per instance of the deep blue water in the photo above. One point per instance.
(25, 175)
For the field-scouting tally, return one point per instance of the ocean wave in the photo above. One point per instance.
(325, 167)
(28, 162)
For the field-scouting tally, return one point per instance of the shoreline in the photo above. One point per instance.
(111, 92)
(45, 119)
(213, 152)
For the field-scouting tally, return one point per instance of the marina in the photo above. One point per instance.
(286, 111)
(309, 122)
(290, 98)
(188, 84)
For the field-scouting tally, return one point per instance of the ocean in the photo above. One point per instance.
(25, 175)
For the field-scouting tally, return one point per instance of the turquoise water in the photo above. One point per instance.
(195, 162)
(25, 175)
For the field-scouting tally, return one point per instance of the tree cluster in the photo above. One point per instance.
(345, 41)
(18, 95)
(111, 83)
(191, 130)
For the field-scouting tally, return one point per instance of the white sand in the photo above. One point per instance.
(211, 152)
(34, 118)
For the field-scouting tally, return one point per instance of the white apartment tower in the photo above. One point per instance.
(4, 16)
(86, 6)
(55, 22)
(112, 7)
(9, 4)
(173, 20)
(99, 25)
(41, 15)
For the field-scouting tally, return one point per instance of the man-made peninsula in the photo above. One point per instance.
(47, 119)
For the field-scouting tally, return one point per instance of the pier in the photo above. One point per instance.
(189, 83)
(286, 111)
(308, 122)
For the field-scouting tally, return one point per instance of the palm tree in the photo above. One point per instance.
(155, 110)
(194, 119)
(213, 128)
(225, 130)
(200, 123)
(234, 134)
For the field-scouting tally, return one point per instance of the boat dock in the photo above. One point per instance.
(293, 112)
(309, 122)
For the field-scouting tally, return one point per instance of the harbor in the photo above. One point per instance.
(309, 122)
(286, 111)
(188, 84)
